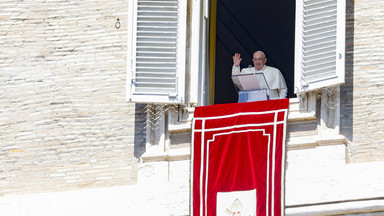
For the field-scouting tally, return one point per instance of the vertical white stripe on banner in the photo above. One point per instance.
(273, 164)
(283, 163)
(192, 165)
(206, 177)
(267, 192)
(202, 165)
(227, 133)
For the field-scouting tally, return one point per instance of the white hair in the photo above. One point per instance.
(260, 52)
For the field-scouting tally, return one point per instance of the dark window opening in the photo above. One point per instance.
(247, 26)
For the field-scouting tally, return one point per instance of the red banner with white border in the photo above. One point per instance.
(238, 159)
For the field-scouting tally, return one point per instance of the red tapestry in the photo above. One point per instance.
(238, 159)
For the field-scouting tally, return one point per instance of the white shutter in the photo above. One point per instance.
(319, 44)
(156, 51)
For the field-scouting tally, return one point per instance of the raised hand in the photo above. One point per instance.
(236, 59)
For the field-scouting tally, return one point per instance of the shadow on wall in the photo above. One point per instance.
(140, 130)
(346, 91)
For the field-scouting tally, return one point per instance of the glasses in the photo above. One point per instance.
(259, 59)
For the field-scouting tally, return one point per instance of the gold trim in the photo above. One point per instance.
(212, 50)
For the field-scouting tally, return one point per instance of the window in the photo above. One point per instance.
(157, 46)
(305, 39)
(320, 44)
(156, 51)
(247, 26)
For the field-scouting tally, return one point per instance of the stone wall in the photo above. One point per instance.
(64, 122)
(362, 116)
(65, 125)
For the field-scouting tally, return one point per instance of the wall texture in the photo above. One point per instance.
(64, 122)
(362, 117)
(65, 125)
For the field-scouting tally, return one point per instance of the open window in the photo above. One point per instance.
(247, 26)
(156, 51)
(305, 39)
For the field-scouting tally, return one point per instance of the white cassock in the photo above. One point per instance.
(277, 88)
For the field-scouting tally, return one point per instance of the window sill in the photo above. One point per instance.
(171, 155)
(304, 142)
(338, 208)
(302, 109)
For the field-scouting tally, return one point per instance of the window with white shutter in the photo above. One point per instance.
(156, 51)
(319, 44)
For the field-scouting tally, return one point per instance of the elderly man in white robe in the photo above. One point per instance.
(276, 86)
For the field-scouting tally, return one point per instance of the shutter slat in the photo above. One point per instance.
(329, 30)
(156, 24)
(316, 71)
(165, 14)
(314, 4)
(320, 18)
(318, 48)
(320, 26)
(156, 49)
(321, 51)
(151, 80)
(153, 90)
(155, 44)
(156, 54)
(157, 3)
(154, 72)
(151, 64)
(156, 75)
(320, 36)
(151, 39)
(316, 61)
(156, 60)
(318, 65)
(321, 76)
(319, 57)
(157, 29)
(157, 34)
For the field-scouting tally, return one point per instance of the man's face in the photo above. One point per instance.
(259, 60)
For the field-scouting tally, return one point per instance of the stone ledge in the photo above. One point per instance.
(314, 141)
(180, 128)
(356, 207)
(171, 155)
(292, 144)
(296, 116)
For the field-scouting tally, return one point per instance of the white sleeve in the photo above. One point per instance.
(283, 93)
(235, 70)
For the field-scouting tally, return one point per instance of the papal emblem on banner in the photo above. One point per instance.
(236, 203)
(238, 159)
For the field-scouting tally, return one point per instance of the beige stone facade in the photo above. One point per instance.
(362, 112)
(65, 124)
